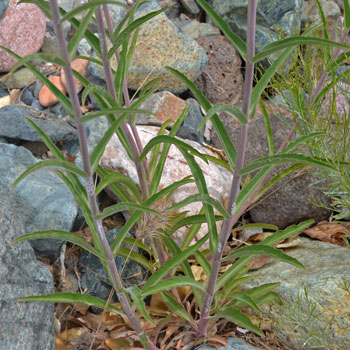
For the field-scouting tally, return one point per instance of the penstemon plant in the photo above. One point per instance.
(220, 296)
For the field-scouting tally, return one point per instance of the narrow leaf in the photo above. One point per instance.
(175, 307)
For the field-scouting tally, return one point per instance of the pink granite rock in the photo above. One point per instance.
(22, 30)
(217, 178)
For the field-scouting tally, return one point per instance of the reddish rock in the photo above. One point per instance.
(46, 97)
(80, 65)
(217, 178)
(164, 105)
(222, 79)
(22, 30)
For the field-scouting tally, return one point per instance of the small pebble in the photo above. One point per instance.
(46, 97)
(27, 97)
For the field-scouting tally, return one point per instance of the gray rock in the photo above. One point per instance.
(232, 344)
(27, 97)
(3, 6)
(3, 92)
(47, 202)
(14, 126)
(188, 129)
(160, 43)
(319, 318)
(191, 6)
(196, 29)
(18, 80)
(23, 325)
(273, 13)
(94, 277)
(288, 202)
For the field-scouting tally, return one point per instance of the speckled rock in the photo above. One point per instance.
(217, 178)
(288, 202)
(232, 344)
(22, 29)
(161, 44)
(326, 269)
(270, 13)
(164, 106)
(20, 79)
(174, 11)
(222, 79)
(311, 15)
(196, 29)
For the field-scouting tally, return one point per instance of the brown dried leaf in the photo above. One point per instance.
(258, 262)
(331, 232)
(118, 344)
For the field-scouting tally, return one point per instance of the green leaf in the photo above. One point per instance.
(127, 253)
(246, 299)
(236, 317)
(91, 115)
(235, 40)
(101, 91)
(263, 250)
(43, 5)
(293, 145)
(276, 46)
(74, 42)
(222, 107)
(279, 159)
(74, 298)
(135, 293)
(224, 137)
(57, 164)
(172, 140)
(172, 263)
(267, 127)
(40, 56)
(61, 235)
(203, 261)
(204, 198)
(137, 243)
(346, 14)
(119, 178)
(218, 161)
(175, 307)
(116, 208)
(89, 5)
(171, 283)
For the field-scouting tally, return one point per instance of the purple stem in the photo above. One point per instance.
(228, 223)
(110, 86)
(90, 189)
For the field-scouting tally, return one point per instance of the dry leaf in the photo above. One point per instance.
(118, 344)
(331, 232)
(14, 95)
(258, 262)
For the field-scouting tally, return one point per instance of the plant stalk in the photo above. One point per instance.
(90, 189)
(235, 187)
(111, 89)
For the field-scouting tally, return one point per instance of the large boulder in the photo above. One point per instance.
(218, 179)
(23, 325)
(316, 310)
(47, 201)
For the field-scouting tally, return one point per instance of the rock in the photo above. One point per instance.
(331, 11)
(94, 277)
(174, 12)
(3, 7)
(188, 129)
(285, 13)
(27, 97)
(160, 44)
(191, 6)
(196, 29)
(22, 30)
(232, 344)
(47, 202)
(14, 126)
(20, 79)
(164, 106)
(24, 325)
(3, 92)
(319, 319)
(46, 97)
(218, 179)
(80, 65)
(288, 202)
(50, 44)
(222, 79)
